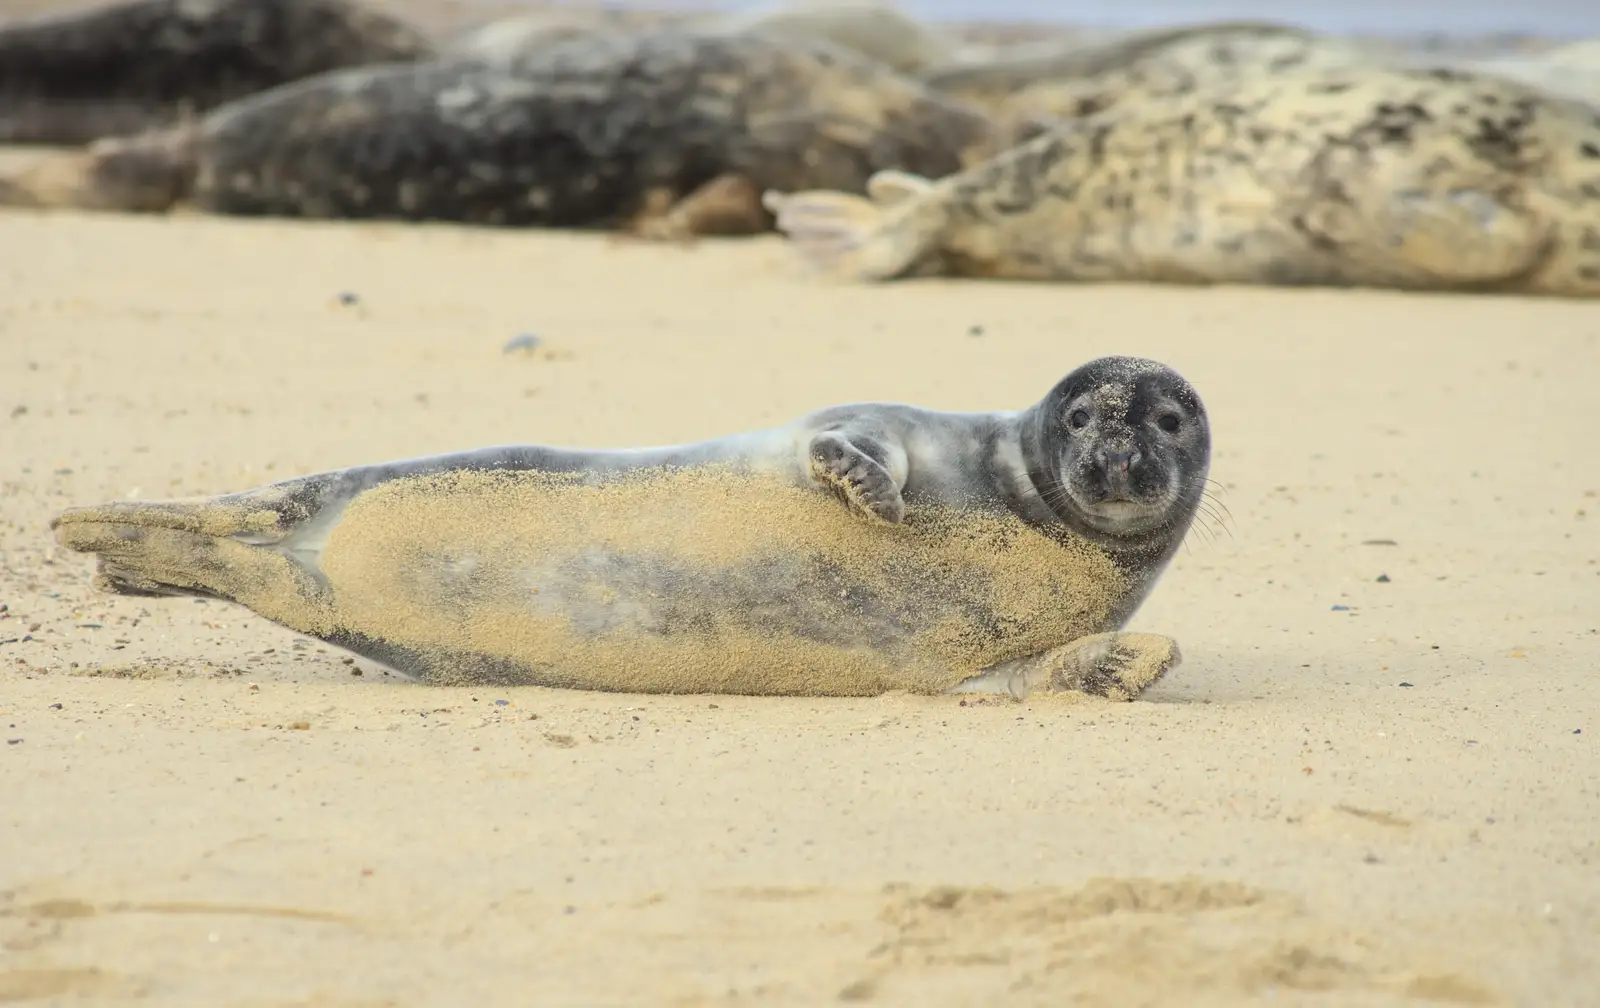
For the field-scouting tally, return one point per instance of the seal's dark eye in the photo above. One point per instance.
(1079, 418)
(1168, 422)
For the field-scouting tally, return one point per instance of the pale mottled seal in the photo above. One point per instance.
(971, 551)
(74, 77)
(1404, 178)
(591, 130)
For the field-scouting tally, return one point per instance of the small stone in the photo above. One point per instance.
(975, 330)
(17, 411)
(527, 342)
(13, 741)
(1341, 608)
(502, 703)
(348, 298)
(55, 706)
(300, 726)
(1406, 684)
(1383, 579)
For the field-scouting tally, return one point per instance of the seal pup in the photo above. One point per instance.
(74, 77)
(603, 129)
(857, 550)
(1381, 177)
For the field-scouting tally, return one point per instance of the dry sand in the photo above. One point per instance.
(1373, 782)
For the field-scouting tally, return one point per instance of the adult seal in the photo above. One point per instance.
(75, 77)
(860, 549)
(667, 132)
(1406, 178)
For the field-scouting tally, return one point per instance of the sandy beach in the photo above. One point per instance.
(1373, 781)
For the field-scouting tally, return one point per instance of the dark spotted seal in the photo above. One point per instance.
(602, 129)
(74, 77)
(1382, 177)
(857, 550)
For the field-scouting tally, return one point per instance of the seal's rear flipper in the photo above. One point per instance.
(258, 549)
(848, 236)
(148, 173)
(1117, 666)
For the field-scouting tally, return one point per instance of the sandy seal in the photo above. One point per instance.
(1381, 177)
(595, 130)
(860, 549)
(75, 77)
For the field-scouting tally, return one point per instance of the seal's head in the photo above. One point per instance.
(1120, 449)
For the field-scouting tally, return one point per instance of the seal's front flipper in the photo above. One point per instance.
(729, 204)
(852, 237)
(257, 548)
(860, 471)
(1117, 666)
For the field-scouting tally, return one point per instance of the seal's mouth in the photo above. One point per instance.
(1123, 512)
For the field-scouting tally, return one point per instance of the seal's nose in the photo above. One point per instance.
(1120, 461)
(1116, 465)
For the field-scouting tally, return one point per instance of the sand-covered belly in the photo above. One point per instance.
(699, 580)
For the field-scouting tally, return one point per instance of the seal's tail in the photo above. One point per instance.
(887, 234)
(257, 548)
(147, 173)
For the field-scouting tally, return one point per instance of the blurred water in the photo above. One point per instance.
(1577, 18)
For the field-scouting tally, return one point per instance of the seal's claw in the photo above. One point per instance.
(861, 481)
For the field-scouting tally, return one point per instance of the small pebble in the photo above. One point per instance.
(300, 726)
(17, 411)
(55, 706)
(976, 330)
(521, 341)
(1341, 608)
(502, 703)
(13, 741)
(348, 298)
(1405, 684)
(1383, 579)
